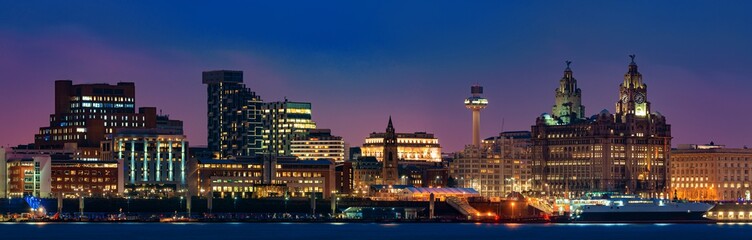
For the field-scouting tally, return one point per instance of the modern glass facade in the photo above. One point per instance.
(234, 115)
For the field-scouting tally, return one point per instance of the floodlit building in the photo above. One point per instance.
(418, 146)
(711, 173)
(625, 152)
(155, 160)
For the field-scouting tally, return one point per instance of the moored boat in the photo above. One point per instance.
(633, 209)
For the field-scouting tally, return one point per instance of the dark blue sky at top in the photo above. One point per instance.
(360, 61)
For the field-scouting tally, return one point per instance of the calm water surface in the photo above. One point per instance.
(186, 231)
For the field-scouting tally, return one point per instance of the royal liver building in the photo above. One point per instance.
(624, 152)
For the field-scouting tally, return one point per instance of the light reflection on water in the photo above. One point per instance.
(368, 231)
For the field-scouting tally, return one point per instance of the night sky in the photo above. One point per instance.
(358, 62)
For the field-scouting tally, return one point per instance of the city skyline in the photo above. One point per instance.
(693, 59)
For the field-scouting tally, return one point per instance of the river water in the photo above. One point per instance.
(365, 231)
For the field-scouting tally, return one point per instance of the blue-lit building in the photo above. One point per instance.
(155, 160)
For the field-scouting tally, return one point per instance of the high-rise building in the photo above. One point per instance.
(711, 172)
(623, 152)
(319, 144)
(391, 160)
(234, 115)
(475, 104)
(85, 113)
(283, 122)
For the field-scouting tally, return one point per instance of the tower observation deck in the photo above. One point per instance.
(475, 104)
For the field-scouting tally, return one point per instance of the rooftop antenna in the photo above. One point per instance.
(502, 124)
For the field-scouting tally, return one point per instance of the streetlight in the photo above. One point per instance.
(512, 210)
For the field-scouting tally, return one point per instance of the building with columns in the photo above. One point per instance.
(624, 152)
(155, 160)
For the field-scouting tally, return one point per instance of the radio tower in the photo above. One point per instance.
(475, 104)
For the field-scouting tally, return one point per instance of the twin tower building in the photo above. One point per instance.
(626, 151)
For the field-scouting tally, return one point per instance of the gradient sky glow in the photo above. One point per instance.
(358, 62)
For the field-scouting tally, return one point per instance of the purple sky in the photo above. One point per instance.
(360, 62)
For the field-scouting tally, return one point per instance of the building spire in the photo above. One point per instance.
(390, 127)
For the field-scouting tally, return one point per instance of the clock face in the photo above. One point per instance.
(624, 99)
(640, 98)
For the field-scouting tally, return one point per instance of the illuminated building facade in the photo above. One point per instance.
(283, 122)
(418, 146)
(46, 173)
(623, 152)
(155, 161)
(711, 173)
(87, 178)
(501, 165)
(85, 113)
(249, 177)
(18, 155)
(29, 175)
(318, 144)
(234, 115)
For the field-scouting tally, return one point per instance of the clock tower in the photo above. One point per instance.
(633, 95)
(391, 157)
